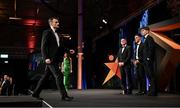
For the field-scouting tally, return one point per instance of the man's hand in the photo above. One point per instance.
(48, 61)
(121, 63)
(136, 62)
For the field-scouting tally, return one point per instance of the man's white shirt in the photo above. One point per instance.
(137, 48)
(56, 35)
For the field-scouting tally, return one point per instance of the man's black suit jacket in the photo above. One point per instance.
(49, 46)
(125, 56)
(140, 52)
(4, 90)
(149, 49)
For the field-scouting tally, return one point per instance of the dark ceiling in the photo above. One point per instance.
(20, 19)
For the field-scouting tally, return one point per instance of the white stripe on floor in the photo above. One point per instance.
(47, 104)
(42, 100)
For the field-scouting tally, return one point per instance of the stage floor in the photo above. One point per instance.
(109, 98)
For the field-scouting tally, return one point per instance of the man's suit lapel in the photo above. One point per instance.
(124, 49)
(140, 46)
(147, 38)
(54, 37)
(121, 50)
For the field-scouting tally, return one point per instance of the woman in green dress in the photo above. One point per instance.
(66, 67)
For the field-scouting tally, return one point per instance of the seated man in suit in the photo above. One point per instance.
(5, 86)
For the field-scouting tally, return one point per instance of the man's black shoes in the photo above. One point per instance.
(67, 98)
(140, 93)
(152, 94)
(64, 98)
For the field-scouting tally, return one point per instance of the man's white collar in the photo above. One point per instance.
(146, 35)
(52, 28)
(139, 43)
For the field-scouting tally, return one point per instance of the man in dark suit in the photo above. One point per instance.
(138, 62)
(148, 60)
(124, 58)
(52, 52)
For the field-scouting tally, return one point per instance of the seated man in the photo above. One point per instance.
(5, 85)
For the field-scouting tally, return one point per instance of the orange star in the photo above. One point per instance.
(114, 70)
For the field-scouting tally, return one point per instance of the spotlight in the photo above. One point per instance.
(104, 21)
(100, 27)
(3, 55)
(6, 62)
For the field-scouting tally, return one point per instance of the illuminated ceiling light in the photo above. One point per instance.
(15, 18)
(104, 21)
(100, 27)
(3, 55)
(6, 62)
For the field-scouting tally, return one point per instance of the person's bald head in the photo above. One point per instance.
(123, 41)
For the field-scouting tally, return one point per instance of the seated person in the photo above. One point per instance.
(5, 85)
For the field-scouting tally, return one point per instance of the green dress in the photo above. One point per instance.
(67, 71)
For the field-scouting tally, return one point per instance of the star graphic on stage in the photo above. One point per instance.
(114, 70)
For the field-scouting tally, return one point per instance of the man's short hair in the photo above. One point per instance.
(51, 18)
(138, 35)
(145, 28)
(123, 38)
